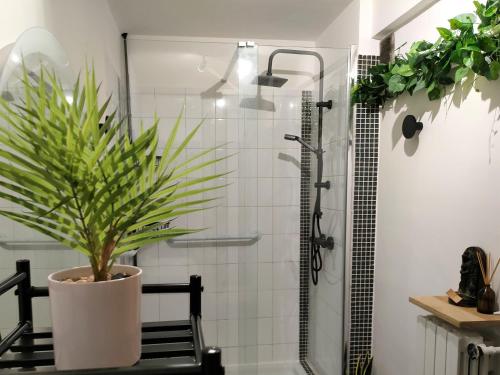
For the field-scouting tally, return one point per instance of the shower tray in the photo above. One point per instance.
(168, 347)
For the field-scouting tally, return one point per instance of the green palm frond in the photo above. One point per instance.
(81, 182)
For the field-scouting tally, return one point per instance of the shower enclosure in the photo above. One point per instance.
(259, 304)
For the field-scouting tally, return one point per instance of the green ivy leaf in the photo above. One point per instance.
(487, 44)
(455, 25)
(386, 77)
(403, 70)
(471, 47)
(445, 33)
(461, 51)
(434, 91)
(468, 61)
(410, 85)
(445, 80)
(463, 22)
(461, 73)
(396, 84)
(479, 64)
(467, 18)
(420, 46)
(457, 56)
(495, 30)
(494, 71)
(378, 69)
(420, 85)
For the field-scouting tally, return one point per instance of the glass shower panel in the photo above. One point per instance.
(326, 343)
(280, 113)
(207, 81)
(307, 320)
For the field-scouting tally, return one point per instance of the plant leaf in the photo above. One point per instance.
(445, 33)
(396, 84)
(82, 183)
(461, 73)
(404, 70)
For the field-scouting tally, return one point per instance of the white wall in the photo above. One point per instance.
(86, 30)
(389, 15)
(367, 45)
(424, 26)
(437, 195)
(17, 16)
(351, 27)
(344, 29)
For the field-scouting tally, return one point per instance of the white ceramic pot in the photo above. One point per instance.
(96, 325)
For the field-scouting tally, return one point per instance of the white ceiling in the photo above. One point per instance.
(255, 19)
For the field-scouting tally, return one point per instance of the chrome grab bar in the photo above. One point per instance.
(45, 245)
(249, 238)
(32, 245)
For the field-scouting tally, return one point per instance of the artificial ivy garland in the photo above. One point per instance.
(471, 46)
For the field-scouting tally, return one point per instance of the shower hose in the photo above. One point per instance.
(316, 259)
(316, 233)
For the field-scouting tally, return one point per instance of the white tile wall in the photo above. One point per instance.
(250, 303)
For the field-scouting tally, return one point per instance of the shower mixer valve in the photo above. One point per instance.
(324, 241)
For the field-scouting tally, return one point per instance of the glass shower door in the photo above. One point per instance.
(258, 305)
(208, 82)
(249, 219)
(308, 320)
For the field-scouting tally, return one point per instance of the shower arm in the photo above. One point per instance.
(318, 239)
(320, 104)
(299, 52)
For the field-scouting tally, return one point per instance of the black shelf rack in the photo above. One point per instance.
(168, 348)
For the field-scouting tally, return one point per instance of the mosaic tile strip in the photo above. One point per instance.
(364, 220)
(305, 227)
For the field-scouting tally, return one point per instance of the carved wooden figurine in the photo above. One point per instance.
(471, 280)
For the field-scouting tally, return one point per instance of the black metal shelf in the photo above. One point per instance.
(170, 347)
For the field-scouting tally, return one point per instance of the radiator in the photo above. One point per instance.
(444, 350)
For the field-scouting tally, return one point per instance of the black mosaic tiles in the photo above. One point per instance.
(305, 227)
(363, 223)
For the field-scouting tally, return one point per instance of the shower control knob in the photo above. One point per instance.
(411, 126)
(325, 242)
(329, 243)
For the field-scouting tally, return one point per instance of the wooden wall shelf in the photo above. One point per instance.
(460, 317)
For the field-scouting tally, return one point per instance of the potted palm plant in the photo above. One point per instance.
(74, 177)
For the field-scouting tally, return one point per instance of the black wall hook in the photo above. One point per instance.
(411, 126)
